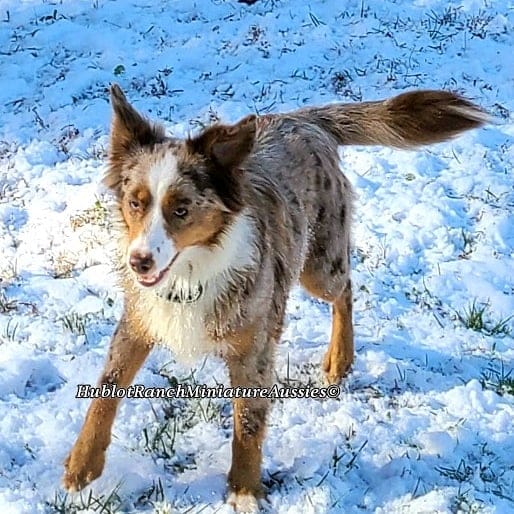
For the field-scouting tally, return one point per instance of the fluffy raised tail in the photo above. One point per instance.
(404, 121)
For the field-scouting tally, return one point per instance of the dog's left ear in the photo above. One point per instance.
(129, 131)
(226, 146)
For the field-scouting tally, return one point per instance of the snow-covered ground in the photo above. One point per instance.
(425, 422)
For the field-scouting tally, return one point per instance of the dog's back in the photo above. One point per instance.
(296, 153)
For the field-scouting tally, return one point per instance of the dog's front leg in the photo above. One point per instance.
(85, 462)
(252, 370)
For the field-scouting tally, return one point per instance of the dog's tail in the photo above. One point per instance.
(405, 121)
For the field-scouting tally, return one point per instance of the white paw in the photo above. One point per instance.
(243, 503)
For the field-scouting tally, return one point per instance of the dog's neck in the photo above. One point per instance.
(181, 296)
(202, 273)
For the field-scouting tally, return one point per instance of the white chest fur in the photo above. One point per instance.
(181, 326)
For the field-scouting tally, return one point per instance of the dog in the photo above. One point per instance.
(215, 229)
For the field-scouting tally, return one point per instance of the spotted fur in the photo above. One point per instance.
(213, 231)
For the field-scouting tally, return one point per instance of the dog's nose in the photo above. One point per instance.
(141, 262)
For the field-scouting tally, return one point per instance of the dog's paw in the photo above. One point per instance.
(83, 464)
(243, 502)
(336, 367)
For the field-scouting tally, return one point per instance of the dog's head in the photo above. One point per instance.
(174, 195)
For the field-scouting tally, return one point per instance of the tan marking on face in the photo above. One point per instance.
(136, 219)
(202, 228)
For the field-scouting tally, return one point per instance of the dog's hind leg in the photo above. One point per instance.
(336, 290)
(326, 275)
(339, 356)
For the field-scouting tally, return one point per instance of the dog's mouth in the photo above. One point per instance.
(152, 279)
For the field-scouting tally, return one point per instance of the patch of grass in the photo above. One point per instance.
(193, 410)
(159, 437)
(477, 24)
(9, 332)
(464, 504)
(75, 323)
(63, 264)
(95, 215)
(119, 70)
(501, 327)
(179, 415)
(500, 110)
(427, 300)
(153, 495)
(483, 466)
(473, 316)
(498, 379)
(7, 305)
(86, 503)
(461, 473)
(344, 458)
(255, 33)
(9, 271)
(163, 507)
(306, 375)
(468, 244)
(477, 317)
(316, 22)
(256, 37)
(68, 134)
(343, 83)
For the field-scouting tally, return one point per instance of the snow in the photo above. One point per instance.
(422, 424)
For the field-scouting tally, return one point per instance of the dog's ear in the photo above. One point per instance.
(129, 131)
(226, 146)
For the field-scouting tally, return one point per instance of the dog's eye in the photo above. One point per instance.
(134, 204)
(181, 212)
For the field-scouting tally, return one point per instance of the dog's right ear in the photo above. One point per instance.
(129, 131)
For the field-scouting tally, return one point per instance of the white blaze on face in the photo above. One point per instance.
(153, 239)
